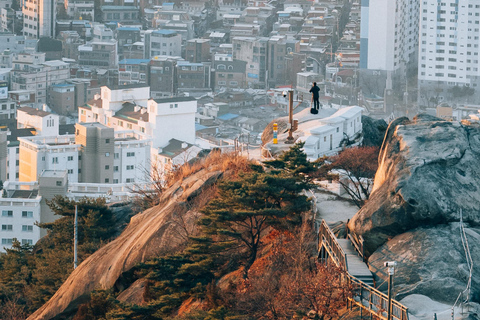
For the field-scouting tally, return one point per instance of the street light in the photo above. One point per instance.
(391, 271)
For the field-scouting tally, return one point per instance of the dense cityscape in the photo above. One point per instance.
(104, 99)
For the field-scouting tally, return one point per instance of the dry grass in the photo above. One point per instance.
(215, 161)
(267, 134)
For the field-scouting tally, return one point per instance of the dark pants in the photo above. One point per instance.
(316, 103)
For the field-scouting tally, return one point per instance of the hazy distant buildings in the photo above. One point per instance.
(32, 75)
(254, 52)
(449, 50)
(389, 34)
(162, 43)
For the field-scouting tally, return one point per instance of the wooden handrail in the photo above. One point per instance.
(371, 299)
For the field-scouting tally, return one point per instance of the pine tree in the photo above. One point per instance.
(295, 162)
(245, 208)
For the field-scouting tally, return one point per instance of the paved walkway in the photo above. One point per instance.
(356, 266)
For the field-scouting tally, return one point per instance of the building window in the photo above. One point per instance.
(70, 158)
(55, 160)
(107, 167)
(116, 155)
(115, 180)
(130, 167)
(107, 154)
(130, 180)
(70, 171)
(130, 154)
(7, 241)
(59, 183)
(107, 180)
(7, 227)
(107, 140)
(27, 228)
(115, 169)
(7, 213)
(27, 214)
(27, 241)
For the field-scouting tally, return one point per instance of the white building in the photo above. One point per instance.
(388, 34)
(45, 123)
(449, 48)
(39, 18)
(326, 138)
(20, 209)
(129, 107)
(128, 163)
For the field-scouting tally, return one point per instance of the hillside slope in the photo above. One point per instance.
(156, 231)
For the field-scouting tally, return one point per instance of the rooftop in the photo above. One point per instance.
(174, 148)
(175, 99)
(34, 112)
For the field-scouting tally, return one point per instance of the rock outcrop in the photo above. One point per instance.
(149, 234)
(373, 131)
(428, 172)
(431, 262)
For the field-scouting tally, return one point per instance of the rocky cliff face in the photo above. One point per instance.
(156, 231)
(428, 172)
(428, 176)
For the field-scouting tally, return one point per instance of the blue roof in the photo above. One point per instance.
(134, 61)
(128, 29)
(228, 116)
(166, 32)
(199, 126)
(284, 15)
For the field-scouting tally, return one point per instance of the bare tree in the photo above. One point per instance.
(359, 166)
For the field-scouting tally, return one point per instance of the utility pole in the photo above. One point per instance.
(290, 139)
(391, 271)
(75, 239)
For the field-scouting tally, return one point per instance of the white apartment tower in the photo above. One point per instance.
(39, 18)
(389, 34)
(449, 48)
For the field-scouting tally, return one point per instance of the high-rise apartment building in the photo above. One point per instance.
(39, 18)
(389, 34)
(449, 50)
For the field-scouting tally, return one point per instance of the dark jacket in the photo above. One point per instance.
(315, 90)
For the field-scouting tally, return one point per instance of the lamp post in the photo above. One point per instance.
(391, 271)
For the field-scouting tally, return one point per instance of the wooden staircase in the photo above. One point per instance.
(348, 254)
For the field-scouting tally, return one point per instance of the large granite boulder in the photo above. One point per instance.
(428, 171)
(431, 262)
(149, 234)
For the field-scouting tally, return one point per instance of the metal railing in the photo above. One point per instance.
(375, 302)
(326, 236)
(357, 241)
(365, 296)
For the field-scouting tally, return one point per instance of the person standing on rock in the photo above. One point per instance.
(315, 90)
